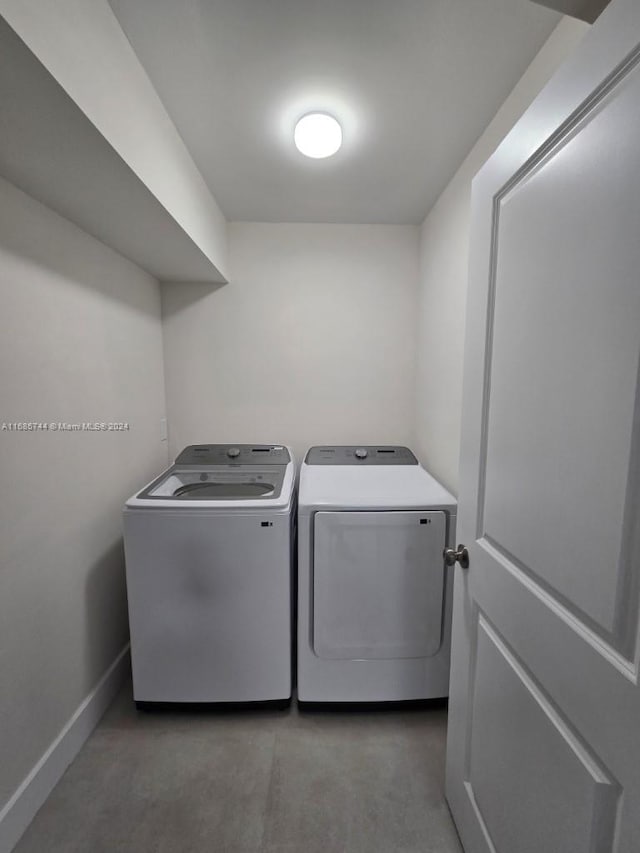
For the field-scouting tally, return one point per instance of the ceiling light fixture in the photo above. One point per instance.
(317, 135)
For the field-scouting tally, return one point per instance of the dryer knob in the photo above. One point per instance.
(361, 453)
(232, 452)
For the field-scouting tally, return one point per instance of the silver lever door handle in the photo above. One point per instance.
(459, 555)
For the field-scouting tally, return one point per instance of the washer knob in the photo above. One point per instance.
(232, 452)
(361, 453)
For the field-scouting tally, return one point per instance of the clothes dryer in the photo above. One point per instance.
(374, 595)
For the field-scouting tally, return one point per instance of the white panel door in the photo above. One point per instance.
(378, 584)
(544, 728)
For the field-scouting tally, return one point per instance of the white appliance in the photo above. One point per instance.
(209, 547)
(374, 596)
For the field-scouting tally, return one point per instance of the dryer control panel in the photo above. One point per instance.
(360, 455)
(234, 454)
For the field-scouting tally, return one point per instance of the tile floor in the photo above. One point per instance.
(252, 782)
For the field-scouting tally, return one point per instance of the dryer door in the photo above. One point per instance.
(378, 584)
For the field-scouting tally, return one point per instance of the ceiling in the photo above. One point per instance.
(413, 83)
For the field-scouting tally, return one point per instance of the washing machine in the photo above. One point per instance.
(374, 595)
(209, 550)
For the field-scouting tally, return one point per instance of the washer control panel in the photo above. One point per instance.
(234, 454)
(360, 455)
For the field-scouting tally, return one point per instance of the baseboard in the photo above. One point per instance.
(20, 810)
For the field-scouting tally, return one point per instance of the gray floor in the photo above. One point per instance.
(252, 782)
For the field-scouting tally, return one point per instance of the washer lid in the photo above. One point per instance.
(187, 484)
(361, 455)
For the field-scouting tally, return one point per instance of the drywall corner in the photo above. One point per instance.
(444, 247)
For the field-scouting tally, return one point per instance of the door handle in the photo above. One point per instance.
(459, 555)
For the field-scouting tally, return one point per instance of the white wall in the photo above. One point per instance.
(80, 340)
(312, 341)
(444, 243)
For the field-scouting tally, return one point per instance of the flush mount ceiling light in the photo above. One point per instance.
(317, 135)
